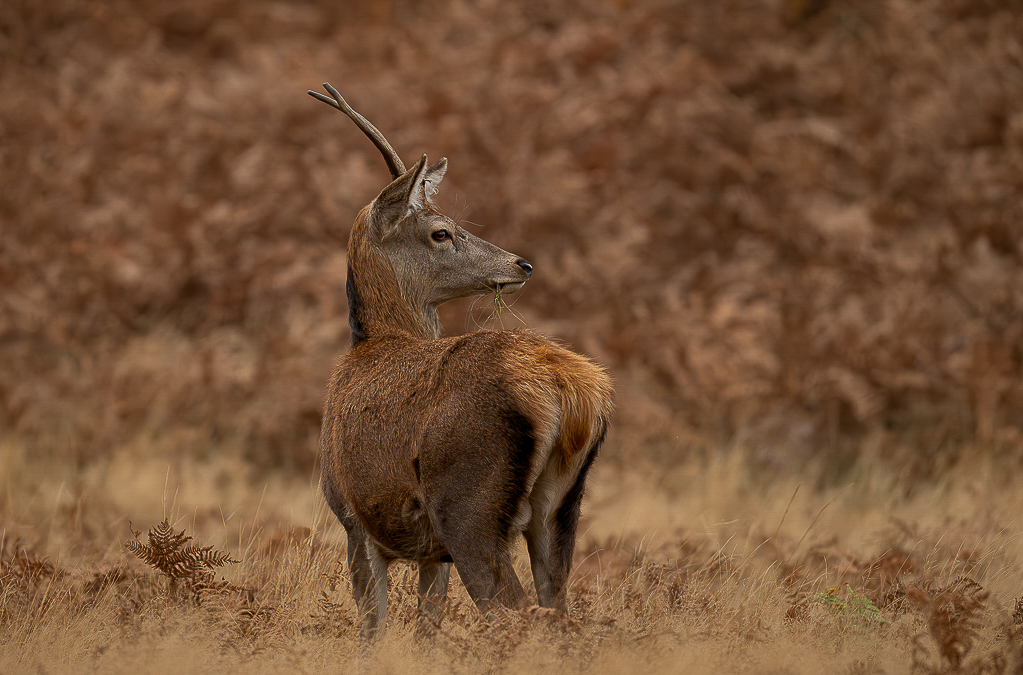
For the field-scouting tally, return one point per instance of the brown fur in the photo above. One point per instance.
(444, 450)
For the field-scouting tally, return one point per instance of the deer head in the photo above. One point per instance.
(406, 257)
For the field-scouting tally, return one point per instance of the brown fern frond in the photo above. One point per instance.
(206, 586)
(27, 568)
(143, 552)
(163, 539)
(209, 557)
(194, 565)
(955, 620)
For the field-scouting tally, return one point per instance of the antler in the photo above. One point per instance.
(394, 162)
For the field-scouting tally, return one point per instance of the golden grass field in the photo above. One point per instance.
(697, 567)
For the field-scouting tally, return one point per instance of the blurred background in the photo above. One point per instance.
(792, 226)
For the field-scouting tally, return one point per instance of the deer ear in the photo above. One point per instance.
(434, 175)
(427, 183)
(397, 200)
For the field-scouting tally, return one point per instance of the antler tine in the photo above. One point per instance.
(394, 162)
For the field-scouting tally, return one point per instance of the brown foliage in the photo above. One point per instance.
(955, 620)
(25, 577)
(796, 224)
(193, 565)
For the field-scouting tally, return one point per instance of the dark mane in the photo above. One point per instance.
(354, 308)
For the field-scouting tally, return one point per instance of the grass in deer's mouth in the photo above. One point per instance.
(499, 304)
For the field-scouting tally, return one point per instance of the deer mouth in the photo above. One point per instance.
(509, 287)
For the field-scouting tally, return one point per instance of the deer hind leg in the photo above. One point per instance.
(550, 534)
(549, 578)
(368, 569)
(472, 493)
(433, 589)
(481, 551)
(489, 578)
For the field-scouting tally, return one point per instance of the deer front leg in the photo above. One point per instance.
(433, 589)
(368, 569)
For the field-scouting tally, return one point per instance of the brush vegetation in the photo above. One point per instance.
(791, 223)
(789, 228)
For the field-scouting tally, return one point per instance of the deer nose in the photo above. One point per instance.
(526, 267)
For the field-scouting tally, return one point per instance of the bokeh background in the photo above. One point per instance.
(792, 226)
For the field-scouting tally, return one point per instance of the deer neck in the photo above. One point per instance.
(376, 304)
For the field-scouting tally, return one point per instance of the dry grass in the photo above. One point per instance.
(706, 567)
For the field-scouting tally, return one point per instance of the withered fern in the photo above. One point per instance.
(191, 565)
(24, 580)
(26, 568)
(955, 621)
(955, 618)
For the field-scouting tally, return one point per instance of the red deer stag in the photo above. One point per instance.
(442, 450)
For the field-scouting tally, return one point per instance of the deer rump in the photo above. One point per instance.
(444, 450)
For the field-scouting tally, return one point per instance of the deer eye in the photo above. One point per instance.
(440, 235)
